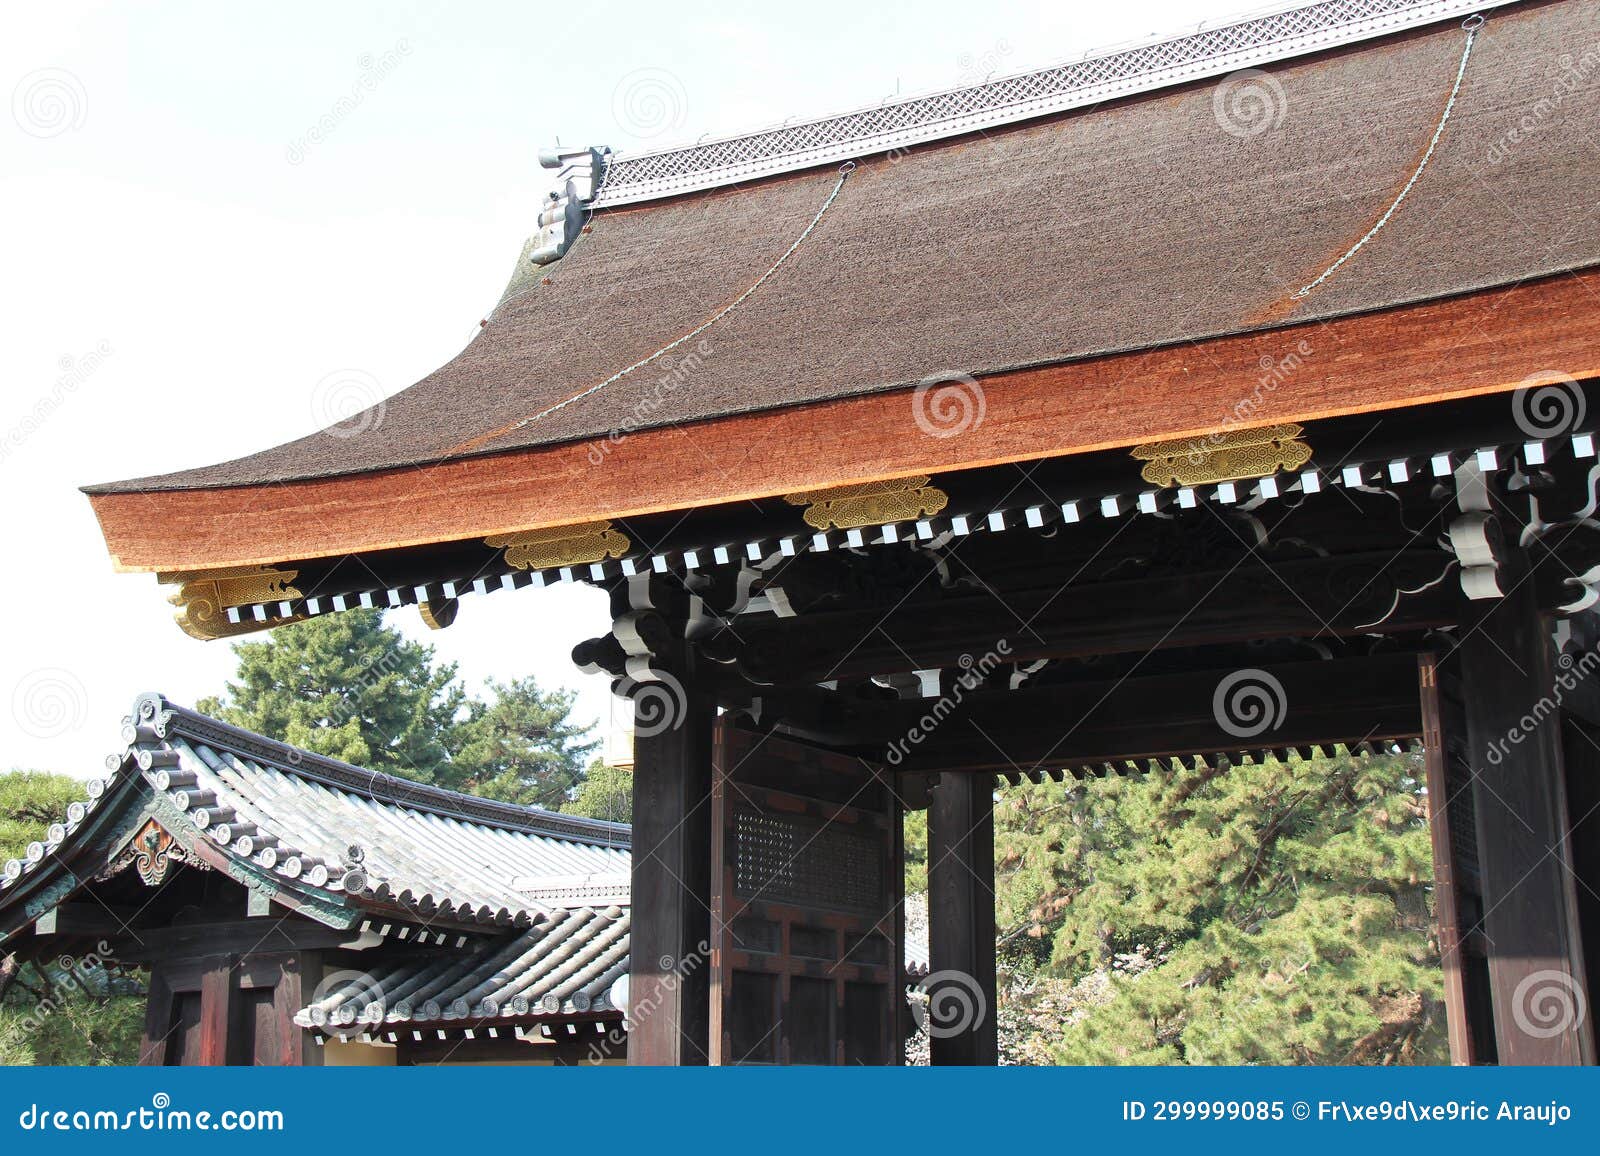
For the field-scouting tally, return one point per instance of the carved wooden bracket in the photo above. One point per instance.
(205, 597)
(439, 613)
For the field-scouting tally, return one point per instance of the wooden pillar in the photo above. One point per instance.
(1447, 900)
(961, 987)
(287, 1044)
(669, 995)
(216, 1010)
(1529, 923)
(157, 1020)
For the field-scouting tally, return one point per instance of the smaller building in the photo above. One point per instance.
(295, 909)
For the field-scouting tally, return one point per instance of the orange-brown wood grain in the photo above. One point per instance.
(1474, 344)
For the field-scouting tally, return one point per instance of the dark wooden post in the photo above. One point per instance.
(1446, 899)
(157, 1020)
(961, 987)
(287, 1044)
(669, 995)
(1536, 967)
(216, 1009)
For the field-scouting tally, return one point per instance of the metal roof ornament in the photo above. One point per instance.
(205, 596)
(152, 852)
(561, 546)
(870, 503)
(1223, 456)
(580, 174)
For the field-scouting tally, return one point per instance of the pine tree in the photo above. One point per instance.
(29, 802)
(606, 793)
(522, 746)
(348, 686)
(51, 1013)
(1272, 913)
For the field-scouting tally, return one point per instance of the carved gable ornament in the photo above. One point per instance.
(151, 852)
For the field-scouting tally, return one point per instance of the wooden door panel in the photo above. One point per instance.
(807, 921)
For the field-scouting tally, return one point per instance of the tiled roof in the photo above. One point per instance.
(379, 843)
(571, 962)
(383, 854)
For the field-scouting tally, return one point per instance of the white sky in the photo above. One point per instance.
(166, 225)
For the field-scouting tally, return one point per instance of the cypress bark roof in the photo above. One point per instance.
(1143, 223)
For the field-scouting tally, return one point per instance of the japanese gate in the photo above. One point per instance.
(1059, 425)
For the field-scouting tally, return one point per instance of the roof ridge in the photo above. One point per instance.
(1091, 78)
(169, 719)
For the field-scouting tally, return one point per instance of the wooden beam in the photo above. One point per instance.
(290, 1044)
(1306, 598)
(1493, 341)
(1040, 725)
(241, 937)
(668, 992)
(86, 919)
(1536, 966)
(961, 951)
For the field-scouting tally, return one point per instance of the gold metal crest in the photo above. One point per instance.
(870, 503)
(561, 546)
(1229, 456)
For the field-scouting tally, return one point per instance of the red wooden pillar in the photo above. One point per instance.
(217, 992)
